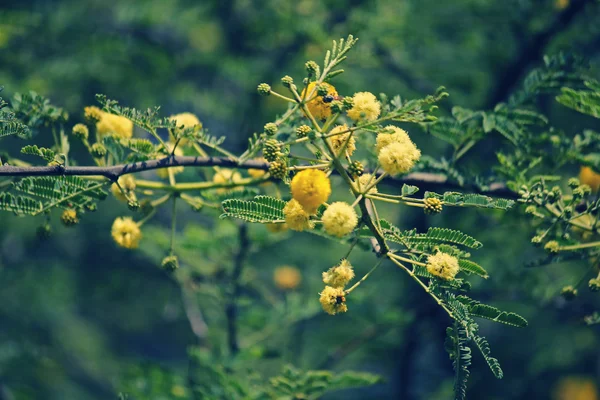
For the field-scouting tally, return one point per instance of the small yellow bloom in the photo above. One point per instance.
(589, 177)
(295, 217)
(287, 278)
(443, 265)
(397, 158)
(333, 300)
(311, 188)
(340, 275)
(126, 232)
(338, 141)
(364, 180)
(69, 217)
(366, 107)
(127, 182)
(317, 107)
(110, 124)
(576, 388)
(185, 120)
(339, 219)
(227, 176)
(391, 134)
(163, 173)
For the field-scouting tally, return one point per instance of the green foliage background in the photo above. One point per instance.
(82, 319)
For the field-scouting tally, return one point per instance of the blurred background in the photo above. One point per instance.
(83, 319)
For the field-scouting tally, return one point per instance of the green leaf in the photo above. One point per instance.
(583, 101)
(262, 209)
(457, 199)
(470, 267)
(493, 363)
(409, 190)
(452, 236)
(42, 152)
(20, 205)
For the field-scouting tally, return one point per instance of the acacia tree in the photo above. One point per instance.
(326, 136)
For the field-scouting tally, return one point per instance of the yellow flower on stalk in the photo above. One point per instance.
(185, 120)
(391, 134)
(164, 172)
(397, 158)
(340, 275)
(339, 140)
(365, 108)
(333, 300)
(317, 107)
(109, 124)
(311, 188)
(227, 176)
(443, 265)
(339, 219)
(295, 217)
(364, 180)
(589, 177)
(126, 232)
(287, 278)
(127, 182)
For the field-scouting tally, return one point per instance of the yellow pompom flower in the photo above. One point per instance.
(363, 181)
(397, 158)
(587, 176)
(391, 134)
(333, 300)
(287, 278)
(339, 219)
(295, 217)
(311, 188)
(127, 182)
(443, 265)
(365, 108)
(340, 275)
(126, 232)
(338, 141)
(227, 176)
(317, 107)
(164, 172)
(185, 120)
(110, 124)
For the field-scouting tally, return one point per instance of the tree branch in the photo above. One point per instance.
(424, 180)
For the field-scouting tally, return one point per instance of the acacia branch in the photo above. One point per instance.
(424, 180)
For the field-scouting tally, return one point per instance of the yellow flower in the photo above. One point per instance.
(364, 180)
(110, 124)
(164, 172)
(339, 219)
(576, 388)
(287, 278)
(443, 265)
(127, 182)
(227, 176)
(391, 134)
(126, 232)
(295, 217)
(366, 107)
(397, 158)
(69, 217)
(311, 188)
(338, 141)
(588, 177)
(92, 114)
(317, 107)
(333, 300)
(187, 120)
(340, 275)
